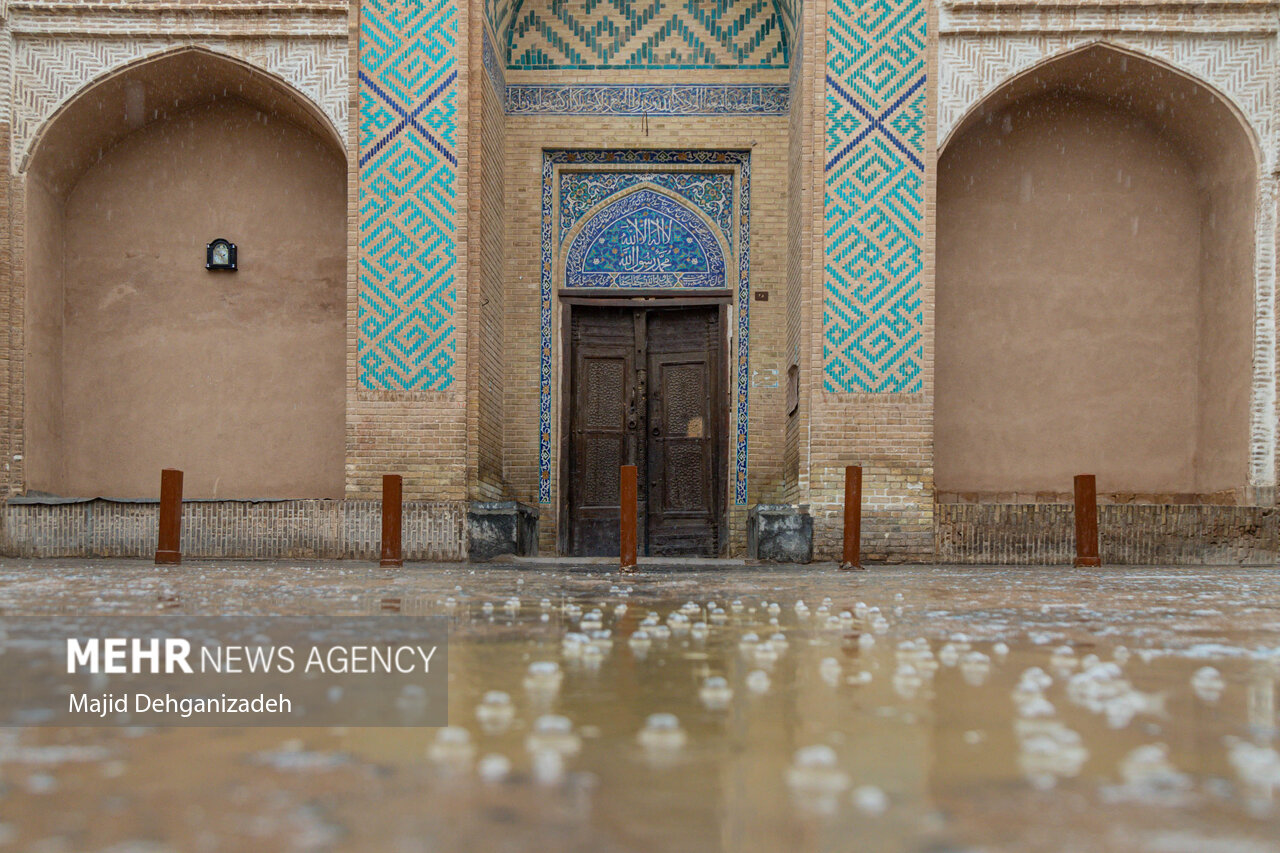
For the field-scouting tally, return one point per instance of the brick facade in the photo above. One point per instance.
(445, 306)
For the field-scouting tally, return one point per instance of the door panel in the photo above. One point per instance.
(683, 438)
(602, 381)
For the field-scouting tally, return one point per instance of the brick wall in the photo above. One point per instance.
(240, 529)
(1128, 534)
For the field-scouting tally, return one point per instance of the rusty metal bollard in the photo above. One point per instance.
(852, 518)
(169, 542)
(1087, 521)
(392, 511)
(629, 514)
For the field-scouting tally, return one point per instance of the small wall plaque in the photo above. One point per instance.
(220, 255)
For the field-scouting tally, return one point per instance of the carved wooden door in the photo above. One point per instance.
(645, 390)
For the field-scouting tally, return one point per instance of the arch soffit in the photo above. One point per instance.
(993, 94)
(317, 119)
(562, 250)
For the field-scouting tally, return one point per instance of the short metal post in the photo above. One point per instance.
(169, 542)
(1087, 521)
(852, 518)
(392, 492)
(630, 511)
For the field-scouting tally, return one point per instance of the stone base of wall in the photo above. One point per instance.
(1128, 534)
(253, 530)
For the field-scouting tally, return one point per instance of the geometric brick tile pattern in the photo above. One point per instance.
(874, 201)
(647, 33)
(408, 169)
(47, 71)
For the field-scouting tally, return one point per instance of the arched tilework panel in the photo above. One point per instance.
(645, 239)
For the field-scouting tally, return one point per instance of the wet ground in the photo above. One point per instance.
(917, 709)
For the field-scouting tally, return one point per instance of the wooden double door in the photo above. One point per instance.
(647, 388)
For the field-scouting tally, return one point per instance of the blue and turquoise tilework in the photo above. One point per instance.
(408, 168)
(873, 315)
(645, 33)
(707, 197)
(645, 239)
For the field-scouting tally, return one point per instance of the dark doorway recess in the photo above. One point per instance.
(646, 387)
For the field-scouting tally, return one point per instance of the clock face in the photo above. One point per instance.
(221, 253)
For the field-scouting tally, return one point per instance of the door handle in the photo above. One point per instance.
(657, 431)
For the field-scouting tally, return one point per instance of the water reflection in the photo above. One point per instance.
(902, 709)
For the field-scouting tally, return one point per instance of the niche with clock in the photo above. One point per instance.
(220, 255)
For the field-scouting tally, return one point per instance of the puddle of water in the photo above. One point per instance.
(898, 709)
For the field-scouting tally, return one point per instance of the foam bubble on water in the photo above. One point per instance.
(774, 609)
(866, 641)
(511, 605)
(830, 671)
(1207, 684)
(975, 667)
(715, 693)
(779, 642)
(1103, 689)
(747, 643)
(660, 632)
(907, 681)
(860, 609)
(678, 623)
(640, 642)
(548, 767)
(859, 679)
(495, 712)
(949, 655)
(699, 631)
(553, 733)
(1258, 767)
(815, 779)
(591, 620)
(1150, 777)
(718, 616)
(452, 750)
(493, 768)
(1063, 661)
(1048, 751)
(543, 678)
(764, 654)
(450, 602)
(1120, 655)
(572, 644)
(487, 608)
(870, 799)
(1000, 650)
(545, 604)
(758, 681)
(619, 611)
(736, 606)
(662, 733)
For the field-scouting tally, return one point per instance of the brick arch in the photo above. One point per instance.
(50, 75)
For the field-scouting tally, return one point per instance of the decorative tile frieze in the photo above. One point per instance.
(650, 99)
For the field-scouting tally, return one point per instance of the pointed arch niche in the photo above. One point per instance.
(1095, 285)
(139, 358)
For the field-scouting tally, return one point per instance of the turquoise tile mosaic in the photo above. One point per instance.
(408, 169)
(645, 33)
(873, 315)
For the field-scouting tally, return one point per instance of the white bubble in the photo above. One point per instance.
(495, 712)
(452, 750)
(715, 693)
(870, 799)
(493, 768)
(1207, 684)
(758, 681)
(662, 732)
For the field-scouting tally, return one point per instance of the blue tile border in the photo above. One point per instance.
(739, 159)
(654, 100)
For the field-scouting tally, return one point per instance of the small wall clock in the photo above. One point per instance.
(220, 255)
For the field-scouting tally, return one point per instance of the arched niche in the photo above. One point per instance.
(139, 358)
(1095, 275)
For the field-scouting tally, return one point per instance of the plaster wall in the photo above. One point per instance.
(1093, 276)
(236, 378)
(45, 464)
